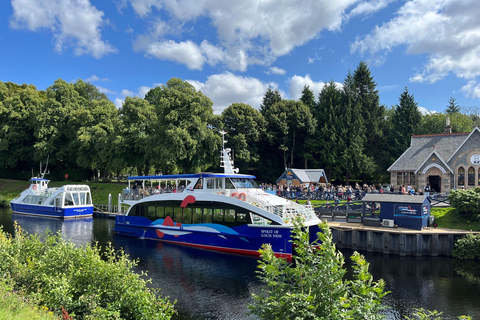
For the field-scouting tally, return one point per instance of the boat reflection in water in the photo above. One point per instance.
(215, 285)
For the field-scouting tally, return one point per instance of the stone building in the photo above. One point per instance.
(443, 161)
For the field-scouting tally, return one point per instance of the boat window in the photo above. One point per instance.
(229, 184)
(187, 215)
(89, 198)
(198, 185)
(218, 183)
(83, 198)
(197, 215)
(151, 211)
(241, 217)
(230, 215)
(178, 214)
(58, 201)
(258, 220)
(210, 183)
(68, 199)
(76, 198)
(207, 215)
(244, 183)
(160, 213)
(169, 212)
(217, 215)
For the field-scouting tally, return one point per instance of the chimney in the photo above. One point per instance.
(448, 127)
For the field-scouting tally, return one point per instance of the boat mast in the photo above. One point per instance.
(226, 161)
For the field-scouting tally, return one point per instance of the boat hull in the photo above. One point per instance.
(244, 239)
(52, 212)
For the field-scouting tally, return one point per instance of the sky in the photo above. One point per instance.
(233, 51)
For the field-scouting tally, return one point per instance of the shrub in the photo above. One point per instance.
(466, 202)
(467, 248)
(313, 287)
(4, 203)
(88, 283)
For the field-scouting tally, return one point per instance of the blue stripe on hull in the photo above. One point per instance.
(52, 212)
(244, 239)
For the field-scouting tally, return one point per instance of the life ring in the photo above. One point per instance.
(235, 195)
(242, 196)
(34, 187)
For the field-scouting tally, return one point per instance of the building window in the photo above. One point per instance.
(399, 178)
(471, 176)
(412, 178)
(461, 176)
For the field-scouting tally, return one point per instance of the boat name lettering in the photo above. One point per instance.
(271, 234)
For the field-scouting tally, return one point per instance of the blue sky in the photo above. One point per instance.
(234, 50)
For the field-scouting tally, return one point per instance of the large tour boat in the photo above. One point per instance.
(219, 211)
(68, 201)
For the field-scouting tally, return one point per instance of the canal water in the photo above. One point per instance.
(210, 285)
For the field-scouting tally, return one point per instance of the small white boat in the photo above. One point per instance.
(68, 201)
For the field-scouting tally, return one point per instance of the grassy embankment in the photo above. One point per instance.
(9, 189)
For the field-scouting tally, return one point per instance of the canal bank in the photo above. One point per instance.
(395, 241)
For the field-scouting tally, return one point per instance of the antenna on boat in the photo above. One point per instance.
(46, 165)
(225, 161)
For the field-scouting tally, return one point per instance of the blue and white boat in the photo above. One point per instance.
(68, 201)
(218, 211)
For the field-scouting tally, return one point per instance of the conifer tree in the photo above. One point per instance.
(452, 107)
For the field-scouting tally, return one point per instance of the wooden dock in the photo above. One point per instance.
(399, 241)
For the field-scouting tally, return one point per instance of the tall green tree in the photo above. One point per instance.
(435, 123)
(270, 98)
(366, 94)
(183, 136)
(245, 128)
(134, 134)
(406, 119)
(19, 108)
(308, 97)
(452, 107)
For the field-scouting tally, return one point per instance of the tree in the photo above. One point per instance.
(288, 121)
(405, 121)
(452, 107)
(183, 137)
(366, 94)
(308, 98)
(314, 286)
(245, 127)
(269, 99)
(435, 123)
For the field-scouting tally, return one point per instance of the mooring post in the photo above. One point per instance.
(109, 203)
(119, 209)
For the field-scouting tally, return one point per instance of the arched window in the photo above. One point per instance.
(471, 176)
(461, 176)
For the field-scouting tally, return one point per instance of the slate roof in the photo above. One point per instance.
(307, 175)
(373, 197)
(422, 146)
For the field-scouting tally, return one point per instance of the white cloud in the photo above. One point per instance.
(275, 70)
(447, 31)
(472, 89)
(298, 82)
(94, 78)
(187, 53)
(249, 32)
(73, 23)
(425, 111)
(227, 88)
(369, 7)
(105, 90)
(119, 103)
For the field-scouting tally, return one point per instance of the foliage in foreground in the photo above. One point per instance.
(313, 287)
(467, 248)
(87, 283)
(15, 306)
(466, 202)
(422, 314)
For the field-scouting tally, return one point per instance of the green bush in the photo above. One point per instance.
(422, 314)
(467, 248)
(313, 287)
(466, 202)
(87, 283)
(4, 203)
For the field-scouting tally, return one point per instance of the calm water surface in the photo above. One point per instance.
(210, 285)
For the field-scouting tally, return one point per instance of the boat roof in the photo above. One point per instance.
(38, 179)
(191, 176)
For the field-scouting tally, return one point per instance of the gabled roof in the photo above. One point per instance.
(306, 175)
(439, 157)
(456, 150)
(422, 146)
(373, 197)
